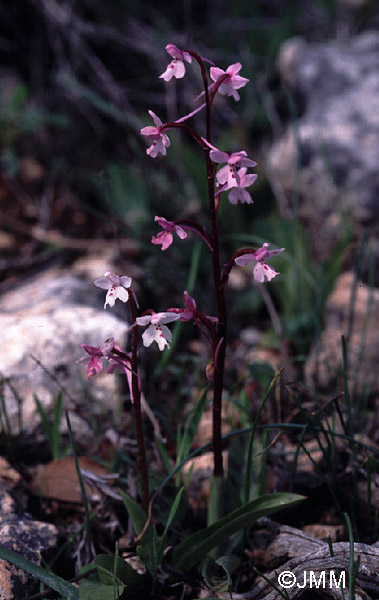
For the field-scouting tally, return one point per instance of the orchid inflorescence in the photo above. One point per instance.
(226, 172)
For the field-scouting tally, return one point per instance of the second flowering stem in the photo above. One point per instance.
(219, 345)
(136, 401)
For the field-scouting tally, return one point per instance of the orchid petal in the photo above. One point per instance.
(216, 73)
(262, 270)
(143, 320)
(245, 259)
(155, 118)
(103, 283)
(218, 156)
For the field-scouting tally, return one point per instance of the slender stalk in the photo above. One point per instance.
(206, 92)
(219, 350)
(197, 228)
(220, 344)
(218, 340)
(230, 264)
(136, 402)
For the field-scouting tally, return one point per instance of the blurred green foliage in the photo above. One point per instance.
(19, 118)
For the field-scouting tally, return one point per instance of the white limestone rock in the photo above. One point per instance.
(48, 318)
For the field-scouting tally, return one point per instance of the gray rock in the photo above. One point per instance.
(329, 155)
(28, 538)
(48, 318)
(358, 321)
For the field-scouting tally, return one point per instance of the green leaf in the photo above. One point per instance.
(171, 517)
(136, 513)
(216, 500)
(197, 545)
(44, 419)
(57, 418)
(164, 454)
(191, 427)
(66, 589)
(147, 548)
(107, 565)
(52, 430)
(92, 589)
(217, 574)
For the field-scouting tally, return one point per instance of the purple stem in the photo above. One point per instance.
(219, 342)
(219, 347)
(230, 264)
(177, 125)
(200, 61)
(193, 226)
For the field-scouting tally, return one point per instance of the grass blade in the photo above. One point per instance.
(66, 589)
(81, 484)
(191, 427)
(196, 546)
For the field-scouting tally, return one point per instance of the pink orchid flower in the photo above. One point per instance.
(160, 140)
(261, 269)
(116, 285)
(190, 310)
(95, 364)
(157, 330)
(122, 365)
(118, 362)
(165, 237)
(228, 174)
(176, 68)
(203, 322)
(239, 193)
(231, 83)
